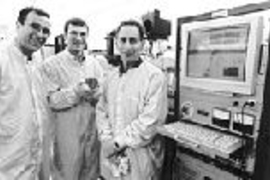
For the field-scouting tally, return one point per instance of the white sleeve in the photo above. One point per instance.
(143, 129)
(58, 98)
(62, 99)
(7, 129)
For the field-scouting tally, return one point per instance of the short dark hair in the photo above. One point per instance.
(132, 23)
(25, 11)
(76, 22)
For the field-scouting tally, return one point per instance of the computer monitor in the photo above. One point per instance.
(221, 55)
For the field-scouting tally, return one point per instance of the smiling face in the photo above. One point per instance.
(33, 33)
(76, 38)
(129, 42)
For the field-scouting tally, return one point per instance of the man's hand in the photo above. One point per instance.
(112, 148)
(93, 96)
(81, 89)
(88, 94)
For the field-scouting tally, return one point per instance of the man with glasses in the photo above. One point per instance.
(20, 126)
(72, 80)
(133, 103)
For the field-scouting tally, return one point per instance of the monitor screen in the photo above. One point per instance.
(221, 55)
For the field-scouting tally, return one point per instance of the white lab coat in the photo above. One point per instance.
(133, 104)
(20, 128)
(76, 148)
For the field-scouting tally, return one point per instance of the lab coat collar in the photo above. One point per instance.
(17, 52)
(77, 59)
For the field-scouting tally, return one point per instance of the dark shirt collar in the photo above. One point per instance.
(130, 65)
(116, 61)
(29, 58)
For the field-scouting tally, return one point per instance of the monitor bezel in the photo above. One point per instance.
(253, 48)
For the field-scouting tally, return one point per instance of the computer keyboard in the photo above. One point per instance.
(204, 138)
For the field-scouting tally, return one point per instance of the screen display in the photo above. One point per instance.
(221, 55)
(218, 53)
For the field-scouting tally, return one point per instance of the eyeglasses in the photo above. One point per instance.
(131, 40)
(37, 27)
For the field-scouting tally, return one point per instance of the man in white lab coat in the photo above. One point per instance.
(72, 92)
(20, 126)
(134, 102)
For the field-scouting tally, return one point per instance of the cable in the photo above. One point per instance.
(242, 157)
(249, 103)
